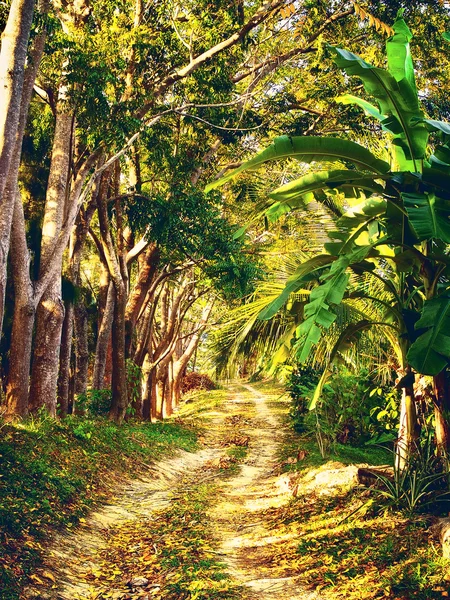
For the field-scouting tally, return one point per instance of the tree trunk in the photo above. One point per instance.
(50, 313)
(101, 351)
(44, 371)
(23, 319)
(119, 372)
(148, 265)
(65, 360)
(407, 433)
(147, 386)
(14, 45)
(19, 365)
(160, 393)
(81, 350)
(442, 412)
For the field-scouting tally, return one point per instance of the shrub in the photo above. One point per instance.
(351, 410)
(197, 381)
(94, 402)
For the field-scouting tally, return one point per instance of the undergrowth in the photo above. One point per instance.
(52, 472)
(348, 543)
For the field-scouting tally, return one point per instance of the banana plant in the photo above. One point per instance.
(403, 209)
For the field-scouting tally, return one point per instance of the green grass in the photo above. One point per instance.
(52, 472)
(349, 545)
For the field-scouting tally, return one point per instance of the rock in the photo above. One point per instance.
(442, 529)
(372, 476)
(139, 582)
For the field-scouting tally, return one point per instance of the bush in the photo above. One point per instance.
(94, 402)
(301, 385)
(351, 410)
(197, 381)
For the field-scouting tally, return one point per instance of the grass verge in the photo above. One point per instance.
(52, 472)
(346, 544)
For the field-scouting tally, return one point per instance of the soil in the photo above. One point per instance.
(243, 535)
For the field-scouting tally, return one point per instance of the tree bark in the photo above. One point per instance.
(23, 319)
(104, 333)
(148, 266)
(119, 373)
(50, 313)
(65, 361)
(81, 350)
(442, 412)
(12, 69)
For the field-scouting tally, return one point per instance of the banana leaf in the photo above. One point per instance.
(318, 314)
(324, 180)
(400, 63)
(429, 215)
(430, 353)
(396, 98)
(307, 150)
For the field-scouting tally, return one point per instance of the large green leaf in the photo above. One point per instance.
(368, 108)
(323, 180)
(310, 149)
(397, 99)
(298, 193)
(318, 314)
(429, 215)
(296, 282)
(430, 353)
(400, 63)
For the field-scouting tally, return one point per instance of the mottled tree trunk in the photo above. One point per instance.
(81, 350)
(160, 397)
(104, 334)
(23, 319)
(50, 313)
(14, 44)
(147, 386)
(442, 412)
(148, 265)
(65, 361)
(119, 373)
(24, 302)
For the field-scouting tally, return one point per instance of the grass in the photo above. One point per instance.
(371, 554)
(51, 474)
(348, 544)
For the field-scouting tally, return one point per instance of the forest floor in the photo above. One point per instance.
(254, 513)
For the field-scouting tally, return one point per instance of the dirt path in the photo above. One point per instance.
(244, 535)
(241, 533)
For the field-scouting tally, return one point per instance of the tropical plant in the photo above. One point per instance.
(397, 223)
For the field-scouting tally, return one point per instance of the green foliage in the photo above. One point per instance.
(421, 482)
(300, 385)
(94, 402)
(134, 378)
(350, 410)
(429, 353)
(386, 413)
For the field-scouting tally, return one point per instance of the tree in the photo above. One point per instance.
(404, 211)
